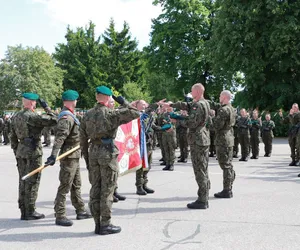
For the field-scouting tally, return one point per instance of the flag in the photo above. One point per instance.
(128, 142)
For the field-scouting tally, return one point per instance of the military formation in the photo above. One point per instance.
(199, 127)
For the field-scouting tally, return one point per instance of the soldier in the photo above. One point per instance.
(235, 134)
(212, 147)
(26, 132)
(183, 143)
(199, 141)
(255, 134)
(66, 138)
(1, 128)
(6, 129)
(267, 134)
(100, 125)
(293, 120)
(47, 136)
(168, 140)
(223, 123)
(160, 122)
(244, 125)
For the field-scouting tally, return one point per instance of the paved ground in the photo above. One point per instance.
(264, 213)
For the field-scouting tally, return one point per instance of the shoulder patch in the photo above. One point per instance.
(64, 117)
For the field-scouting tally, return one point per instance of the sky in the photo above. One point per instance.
(44, 22)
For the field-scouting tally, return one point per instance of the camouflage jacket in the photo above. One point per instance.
(223, 123)
(244, 125)
(256, 126)
(101, 123)
(26, 131)
(198, 113)
(66, 137)
(267, 127)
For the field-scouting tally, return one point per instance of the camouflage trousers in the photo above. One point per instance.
(6, 136)
(70, 181)
(254, 139)
(199, 156)
(293, 145)
(224, 155)
(236, 145)
(267, 139)
(212, 147)
(47, 135)
(183, 145)
(141, 174)
(28, 189)
(244, 140)
(103, 176)
(169, 145)
(159, 139)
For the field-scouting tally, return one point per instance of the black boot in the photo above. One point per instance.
(198, 205)
(211, 155)
(182, 160)
(34, 216)
(119, 197)
(171, 167)
(140, 190)
(162, 159)
(242, 159)
(293, 163)
(83, 215)
(252, 157)
(148, 190)
(179, 157)
(235, 156)
(110, 229)
(115, 199)
(97, 228)
(163, 163)
(64, 221)
(297, 163)
(225, 193)
(167, 167)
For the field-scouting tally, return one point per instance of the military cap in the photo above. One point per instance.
(103, 90)
(30, 96)
(70, 95)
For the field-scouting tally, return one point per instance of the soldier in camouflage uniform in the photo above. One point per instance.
(26, 132)
(66, 138)
(255, 134)
(293, 119)
(267, 134)
(1, 128)
(223, 123)
(6, 129)
(236, 138)
(212, 147)
(100, 125)
(244, 125)
(183, 142)
(199, 141)
(47, 136)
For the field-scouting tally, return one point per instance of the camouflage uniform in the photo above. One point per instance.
(212, 147)
(255, 137)
(169, 142)
(244, 125)
(47, 135)
(26, 131)
(236, 139)
(7, 130)
(100, 124)
(183, 142)
(223, 123)
(199, 141)
(66, 138)
(160, 119)
(293, 120)
(267, 136)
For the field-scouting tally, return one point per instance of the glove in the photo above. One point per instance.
(43, 103)
(119, 99)
(50, 160)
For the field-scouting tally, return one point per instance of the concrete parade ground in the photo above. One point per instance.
(263, 214)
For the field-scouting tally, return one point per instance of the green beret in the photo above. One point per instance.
(30, 96)
(104, 90)
(70, 95)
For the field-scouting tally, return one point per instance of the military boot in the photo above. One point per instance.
(63, 221)
(167, 167)
(235, 156)
(119, 197)
(225, 193)
(22, 214)
(34, 216)
(140, 190)
(109, 229)
(171, 167)
(97, 228)
(297, 163)
(293, 163)
(162, 159)
(163, 163)
(83, 215)
(182, 160)
(198, 205)
(148, 190)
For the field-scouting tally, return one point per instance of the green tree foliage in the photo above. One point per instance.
(29, 70)
(260, 39)
(134, 92)
(81, 57)
(121, 57)
(178, 44)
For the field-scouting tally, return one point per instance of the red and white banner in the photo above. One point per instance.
(128, 143)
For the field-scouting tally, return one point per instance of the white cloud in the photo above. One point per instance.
(77, 13)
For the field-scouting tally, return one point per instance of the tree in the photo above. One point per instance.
(81, 57)
(133, 92)
(29, 70)
(178, 44)
(261, 40)
(122, 59)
